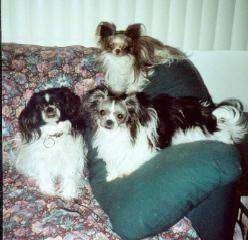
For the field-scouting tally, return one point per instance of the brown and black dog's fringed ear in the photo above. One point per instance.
(139, 109)
(134, 31)
(138, 104)
(93, 97)
(105, 29)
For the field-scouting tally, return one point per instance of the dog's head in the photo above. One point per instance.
(47, 107)
(109, 110)
(119, 43)
(112, 110)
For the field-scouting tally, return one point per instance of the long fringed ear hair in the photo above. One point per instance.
(95, 96)
(71, 101)
(71, 109)
(134, 31)
(140, 110)
(30, 120)
(103, 31)
(143, 46)
(90, 101)
(137, 107)
(139, 49)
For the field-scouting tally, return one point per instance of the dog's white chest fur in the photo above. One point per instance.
(56, 154)
(119, 153)
(120, 75)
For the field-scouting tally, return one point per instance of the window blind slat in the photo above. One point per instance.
(208, 21)
(176, 23)
(240, 26)
(192, 24)
(186, 24)
(224, 25)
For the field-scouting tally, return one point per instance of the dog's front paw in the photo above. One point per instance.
(69, 192)
(47, 188)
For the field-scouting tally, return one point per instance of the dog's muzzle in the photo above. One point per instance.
(109, 124)
(50, 112)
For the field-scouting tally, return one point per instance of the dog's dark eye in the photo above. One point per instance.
(120, 116)
(102, 112)
(111, 45)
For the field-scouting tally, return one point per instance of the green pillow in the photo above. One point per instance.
(163, 190)
(180, 78)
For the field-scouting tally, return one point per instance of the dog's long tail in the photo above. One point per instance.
(232, 122)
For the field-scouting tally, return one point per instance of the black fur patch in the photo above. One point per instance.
(30, 119)
(181, 112)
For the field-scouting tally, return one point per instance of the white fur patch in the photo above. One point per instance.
(47, 97)
(120, 74)
(50, 157)
(230, 123)
(112, 111)
(120, 154)
(190, 135)
(165, 56)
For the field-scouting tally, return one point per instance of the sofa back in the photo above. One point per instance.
(30, 68)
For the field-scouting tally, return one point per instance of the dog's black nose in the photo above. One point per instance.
(109, 124)
(117, 51)
(50, 109)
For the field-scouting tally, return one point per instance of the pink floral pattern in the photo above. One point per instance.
(27, 214)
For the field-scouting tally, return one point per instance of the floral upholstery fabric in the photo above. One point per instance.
(27, 214)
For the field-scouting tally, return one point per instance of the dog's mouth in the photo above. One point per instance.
(108, 124)
(108, 127)
(51, 113)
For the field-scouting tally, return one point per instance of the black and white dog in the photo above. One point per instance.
(130, 129)
(53, 150)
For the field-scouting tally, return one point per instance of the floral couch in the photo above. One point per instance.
(27, 214)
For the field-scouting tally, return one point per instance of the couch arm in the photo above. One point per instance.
(166, 188)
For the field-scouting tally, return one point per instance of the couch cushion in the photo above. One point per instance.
(158, 194)
(179, 78)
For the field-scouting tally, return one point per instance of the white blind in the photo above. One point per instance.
(186, 24)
